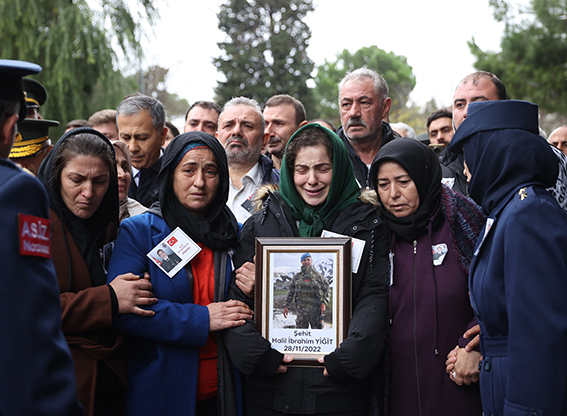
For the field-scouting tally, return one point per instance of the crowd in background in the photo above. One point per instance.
(457, 302)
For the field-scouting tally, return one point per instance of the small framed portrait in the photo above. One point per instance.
(302, 295)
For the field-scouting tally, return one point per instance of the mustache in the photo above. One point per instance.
(356, 121)
(238, 139)
(275, 139)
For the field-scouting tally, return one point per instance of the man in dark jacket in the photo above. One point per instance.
(141, 125)
(440, 131)
(364, 106)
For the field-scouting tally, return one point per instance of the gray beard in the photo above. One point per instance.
(247, 156)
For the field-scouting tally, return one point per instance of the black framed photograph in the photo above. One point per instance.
(302, 295)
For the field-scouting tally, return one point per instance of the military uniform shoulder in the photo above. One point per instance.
(531, 197)
(524, 193)
(530, 193)
(5, 163)
(12, 174)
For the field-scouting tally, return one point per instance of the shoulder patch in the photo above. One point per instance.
(35, 236)
(523, 194)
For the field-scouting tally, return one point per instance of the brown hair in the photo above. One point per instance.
(82, 144)
(307, 138)
(284, 99)
(102, 117)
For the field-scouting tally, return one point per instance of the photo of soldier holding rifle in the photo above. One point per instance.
(310, 291)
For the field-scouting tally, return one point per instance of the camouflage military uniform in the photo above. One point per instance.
(309, 289)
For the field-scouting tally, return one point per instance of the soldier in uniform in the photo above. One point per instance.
(36, 371)
(32, 144)
(311, 291)
(36, 95)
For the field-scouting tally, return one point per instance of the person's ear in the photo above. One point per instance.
(265, 139)
(386, 105)
(164, 135)
(8, 132)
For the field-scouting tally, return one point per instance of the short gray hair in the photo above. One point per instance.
(410, 132)
(380, 85)
(134, 104)
(248, 102)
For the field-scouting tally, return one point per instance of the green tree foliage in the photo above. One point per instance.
(266, 50)
(532, 62)
(155, 85)
(414, 115)
(394, 68)
(74, 45)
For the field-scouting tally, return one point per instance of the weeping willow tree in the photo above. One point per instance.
(78, 48)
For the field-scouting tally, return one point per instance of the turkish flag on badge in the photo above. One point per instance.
(35, 236)
(172, 241)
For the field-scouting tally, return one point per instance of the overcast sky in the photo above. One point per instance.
(432, 35)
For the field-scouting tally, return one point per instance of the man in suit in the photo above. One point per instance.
(36, 370)
(141, 125)
(168, 263)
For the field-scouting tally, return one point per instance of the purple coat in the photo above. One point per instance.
(430, 310)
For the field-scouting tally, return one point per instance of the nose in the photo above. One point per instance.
(354, 110)
(466, 111)
(133, 147)
(394, 191)
(87, 189)
(199, 179)
(237, 130)
(269, 129)
(312, 179)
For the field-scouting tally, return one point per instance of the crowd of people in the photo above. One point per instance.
(456, 303)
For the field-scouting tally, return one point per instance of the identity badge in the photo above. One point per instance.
(450, 182)
(174, 252)
(356, 249)
(487, 228)
(439, 253)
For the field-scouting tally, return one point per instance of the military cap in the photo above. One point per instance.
(31, 135)
(11, 86)
(35, 94)
(304, 256)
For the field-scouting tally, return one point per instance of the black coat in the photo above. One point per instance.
(453, 167)
(306, 390)
(361, 171)
(147, 192)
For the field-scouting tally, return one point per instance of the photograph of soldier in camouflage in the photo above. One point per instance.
(303, 292)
